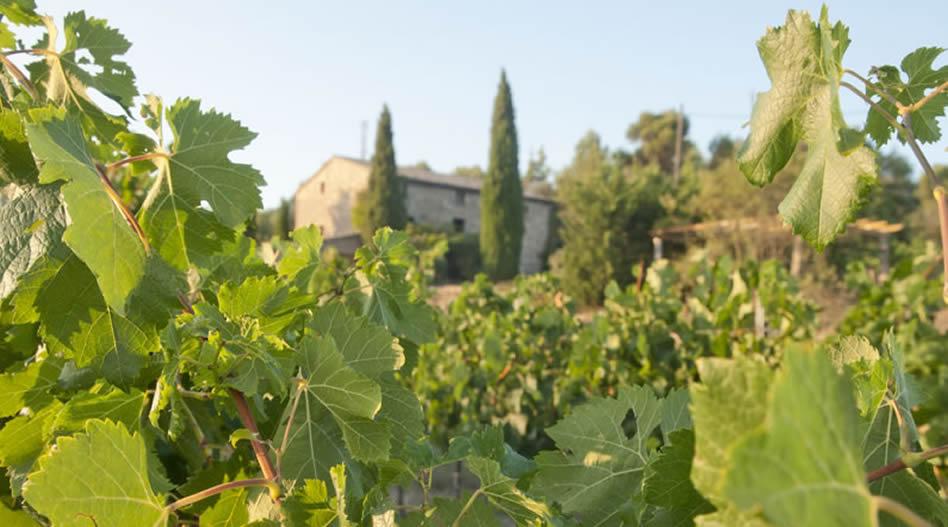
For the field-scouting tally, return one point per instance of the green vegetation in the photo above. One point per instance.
(502, 192)
(382, 203)
(157, 371)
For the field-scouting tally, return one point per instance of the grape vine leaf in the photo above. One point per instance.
(197, 170)
(264, 298)
(668, 485)
(115, 405)
(881, 447)
(199, 165)
(869, 373)
(920, 78)
(33, 223)
(597, 467)
(301, 259)
(76, 322)
(446, 512)
(367, 347)
(337, 402)
(229, 511)
(29, 387)
(502, 492)
(21, 12)
(728, 403)
(16, 160)
(98, 232)
(122, 492)
(801, 479)
(16, 518)
(23, 438)
(675, 414)
(88, 59)
(310, 505)
(803, 61)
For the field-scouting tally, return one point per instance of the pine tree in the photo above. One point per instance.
(502, 193)
(382, 203)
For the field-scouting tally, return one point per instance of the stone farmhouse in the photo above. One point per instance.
(450, 202)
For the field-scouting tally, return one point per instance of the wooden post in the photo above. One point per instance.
(656, 247)
(760, 317)
(883, 256)
(796, 257)
(457, 480)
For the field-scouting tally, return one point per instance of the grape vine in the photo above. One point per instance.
(157, 371)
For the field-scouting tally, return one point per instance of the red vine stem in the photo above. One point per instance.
(906, 461)
(117, 200)
(135, 159)
(215, 490)
(259, 448)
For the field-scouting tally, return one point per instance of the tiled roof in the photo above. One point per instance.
(421, 175)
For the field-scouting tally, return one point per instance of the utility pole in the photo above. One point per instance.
(679, 137)
(365, 125)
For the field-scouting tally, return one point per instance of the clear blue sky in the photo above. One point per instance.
(305, 74)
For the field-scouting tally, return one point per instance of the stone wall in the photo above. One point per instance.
(459, 210)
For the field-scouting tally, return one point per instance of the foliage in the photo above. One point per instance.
(606, 211)
(382, 203)
(656, 134)
(157, 371)
(501, 234)
(522, 358)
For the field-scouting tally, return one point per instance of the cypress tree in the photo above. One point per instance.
(382, 203)
(282, 221)
(502, 192)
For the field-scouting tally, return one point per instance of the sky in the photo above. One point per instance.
(306, 75)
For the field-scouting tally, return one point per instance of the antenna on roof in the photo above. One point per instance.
(365, 125)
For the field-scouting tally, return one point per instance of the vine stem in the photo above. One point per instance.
(20, 77)
(134, 159)
(300, 386)
(900, 511)
(467, 507)
(906, 461)
(942, 200)
(215, 490)
(905, 110)
(117, 201)
(259, 448)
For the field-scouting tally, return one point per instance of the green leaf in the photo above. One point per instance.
(803, 61)
(870, 375)
(597, 467)
(88, 59)
(98, 232)
(903, 393)
(20, 12)
(33, 224)
(23, 438)
(804, 465)
(446, 512)
(264, 298)
(402, 412)
(503, 493)
(200, 168)
(28, 388)
(741, 383)
(881, 447)
(390, 305)
(16, 518)
(366, 347)
(336, 400)
(667, 480)
(229, 511)
(16, 160)
(114, 405)
(119, 493)
(310, 505)
(730, 516)
(301, 259)
(77, 323)
(675, 414)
